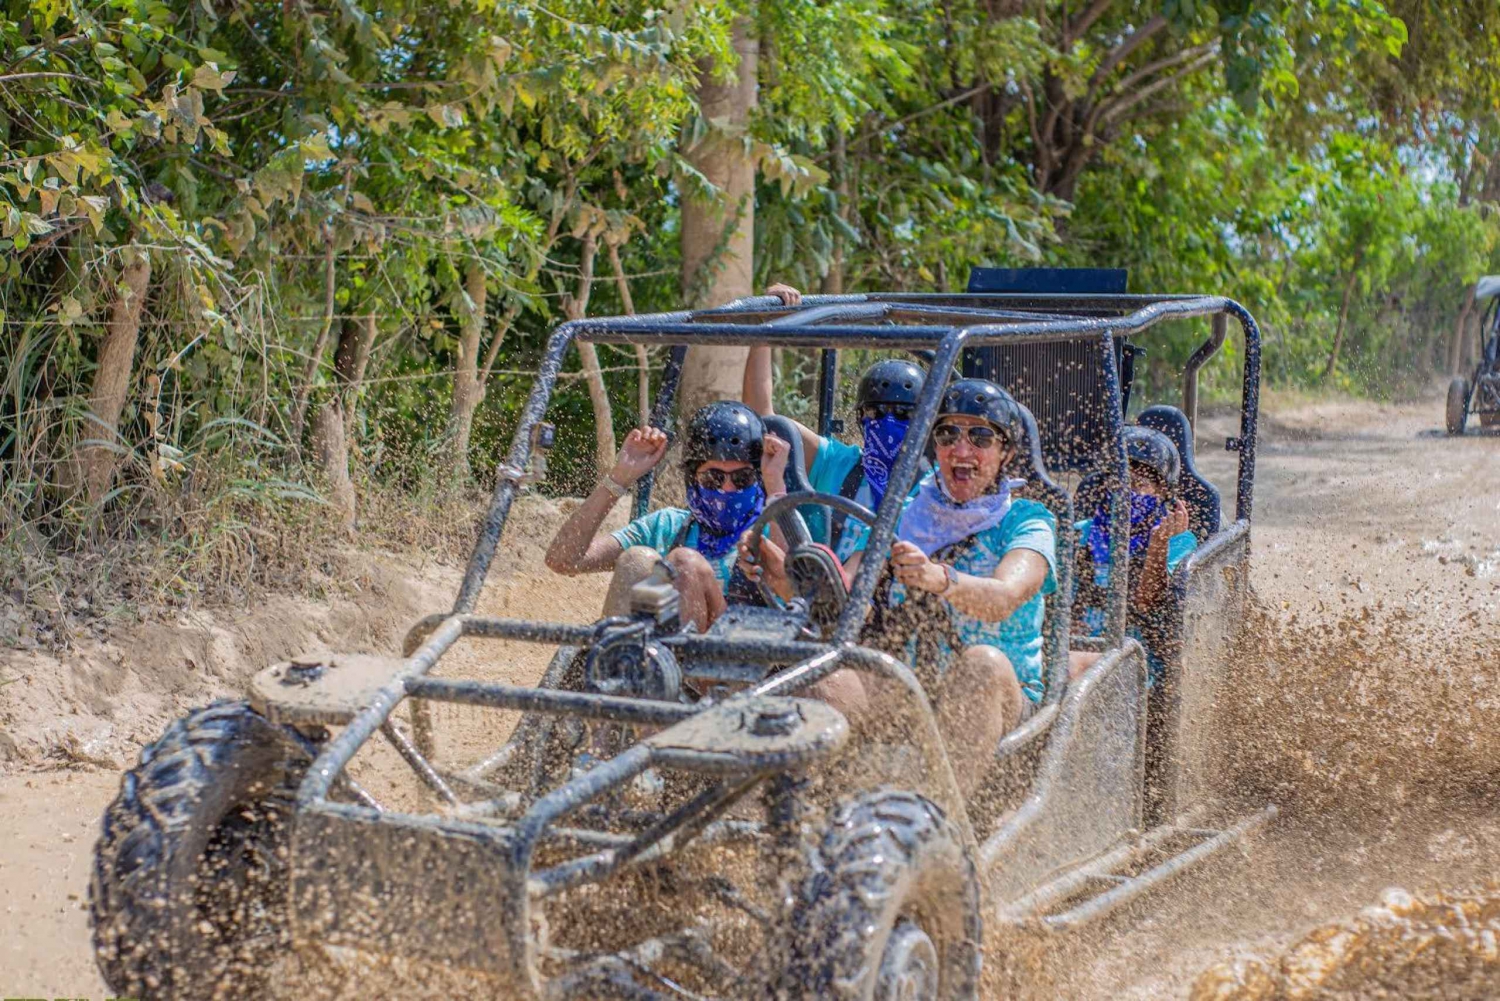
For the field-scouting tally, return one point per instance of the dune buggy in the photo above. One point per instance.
(635, 839)
(1480, 394)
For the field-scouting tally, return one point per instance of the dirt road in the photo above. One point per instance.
(1360, 510)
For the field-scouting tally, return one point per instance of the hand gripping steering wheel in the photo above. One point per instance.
(813, 570)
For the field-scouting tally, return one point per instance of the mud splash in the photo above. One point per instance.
(1447, 946)
(1366, 708)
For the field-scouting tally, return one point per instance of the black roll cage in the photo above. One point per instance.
(946, 325)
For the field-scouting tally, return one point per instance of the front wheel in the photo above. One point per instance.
(189, 890)
(1458, 405)
(890, 909)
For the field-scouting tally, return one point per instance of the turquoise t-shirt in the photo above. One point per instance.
(659, 531)
(1027, 525)
(830, 467)
(1091, 618)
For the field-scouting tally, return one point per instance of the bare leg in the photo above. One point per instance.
(634, 565)
(844, 690)
(1079, 661)
(702, 595)
(979, 704)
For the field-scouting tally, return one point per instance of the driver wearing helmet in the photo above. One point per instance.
(990, 559)
(729, 462)
(887, 397)
(1159, 541)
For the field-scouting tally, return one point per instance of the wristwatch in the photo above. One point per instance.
(617, 491)
(952, 577)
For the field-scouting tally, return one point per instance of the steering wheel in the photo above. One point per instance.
(813, 570)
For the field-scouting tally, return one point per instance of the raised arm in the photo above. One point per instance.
(578, 547)
(757, 387)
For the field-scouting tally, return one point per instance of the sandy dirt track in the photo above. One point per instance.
(1357, 506)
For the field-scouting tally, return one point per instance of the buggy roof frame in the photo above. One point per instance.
(945, 324)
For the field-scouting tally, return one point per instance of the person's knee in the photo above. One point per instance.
(690, 566)
(1079, 662)
(987, 669)
(631, 567)
(636, 563)
(844, 691)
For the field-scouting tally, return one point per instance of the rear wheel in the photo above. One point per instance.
(190, 880)
(890, 909)
(1458, 405)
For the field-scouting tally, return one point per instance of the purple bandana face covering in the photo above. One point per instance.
(883, 438)
(724, 515)
(1145, 513)
(933, 519)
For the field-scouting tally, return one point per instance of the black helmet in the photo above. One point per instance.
(892, 381)
(727, 431)
(1156, 452)
(982, 398)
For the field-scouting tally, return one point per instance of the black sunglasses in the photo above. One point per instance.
(979, 435)
(713, 479)
(875, 411)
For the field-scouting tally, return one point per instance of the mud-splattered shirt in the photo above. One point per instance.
(1027, 525)
(660, 530)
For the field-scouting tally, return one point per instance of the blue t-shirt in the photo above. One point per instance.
(1027, 525)
(1092, 618)
(831, 467)
(659, 530)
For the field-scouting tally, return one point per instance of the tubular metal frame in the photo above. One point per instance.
(944, 324)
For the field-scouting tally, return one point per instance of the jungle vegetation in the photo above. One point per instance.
(275, 263)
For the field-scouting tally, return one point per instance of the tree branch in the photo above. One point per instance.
(1121, 52)
(1167, 62)
(1114, 109)
(315, 358)
(501, 328)
(643, 360)
(1075, 30)
(945, 103)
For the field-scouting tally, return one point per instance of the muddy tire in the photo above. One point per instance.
(890, 908)
(1457, 413)
(190, 878)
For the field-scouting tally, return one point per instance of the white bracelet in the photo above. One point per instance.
(617, 491)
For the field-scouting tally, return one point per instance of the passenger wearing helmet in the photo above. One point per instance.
(887, 397)
(1159, 541)
(729, 463)
(991, 559)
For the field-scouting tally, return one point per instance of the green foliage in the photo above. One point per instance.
(1334, 164)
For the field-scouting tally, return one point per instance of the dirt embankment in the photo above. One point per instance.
(72, 719)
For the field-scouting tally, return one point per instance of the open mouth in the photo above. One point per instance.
(965, 471)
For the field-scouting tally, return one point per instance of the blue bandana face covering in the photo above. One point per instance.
(1145, 513)
(724, 515)
(883, 438)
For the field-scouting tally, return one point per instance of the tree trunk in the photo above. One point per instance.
(642, 359)
(350, 359)
(112, 375)
(1456, 340)
(467, 389)
(315, 357)
(1338, 334)
(576, 306)
(331, 450)
(713, 274)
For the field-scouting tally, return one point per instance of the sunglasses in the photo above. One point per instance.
(713, 479)
(980, 436)
(875, 411)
